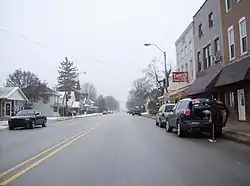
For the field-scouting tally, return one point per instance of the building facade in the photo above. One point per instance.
(12, 100)
(233, 83)
(185, 61)
(208, 49)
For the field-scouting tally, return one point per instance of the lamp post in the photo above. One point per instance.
(165, 66)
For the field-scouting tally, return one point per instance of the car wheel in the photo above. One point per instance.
(180, 132)
(160, 123)
(168, 127)
(156, 123)
(32, 125)
(44, 124)
(11, 128)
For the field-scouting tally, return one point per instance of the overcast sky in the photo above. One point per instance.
(103, 37)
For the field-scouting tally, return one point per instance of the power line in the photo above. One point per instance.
(25, 38)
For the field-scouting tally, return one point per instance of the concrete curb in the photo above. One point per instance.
(227, 133)
(236, 136)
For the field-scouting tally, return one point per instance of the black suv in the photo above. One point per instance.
(197, 114)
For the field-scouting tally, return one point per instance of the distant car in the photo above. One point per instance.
(104, 112)
(163, 113)
(129, 111)
(136, 111)
(197, 114)
(28, 118)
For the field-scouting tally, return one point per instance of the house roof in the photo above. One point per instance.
(6, 92)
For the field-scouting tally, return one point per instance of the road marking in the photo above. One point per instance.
(38, 155)
(7, 181)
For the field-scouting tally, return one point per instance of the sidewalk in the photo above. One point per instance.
(234, 130)
(238, 131)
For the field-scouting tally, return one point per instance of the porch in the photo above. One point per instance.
(10, 108)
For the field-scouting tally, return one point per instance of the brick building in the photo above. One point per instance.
(233, 83)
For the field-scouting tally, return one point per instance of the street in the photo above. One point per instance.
(118, 150)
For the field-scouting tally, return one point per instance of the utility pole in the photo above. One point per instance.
(166, 97)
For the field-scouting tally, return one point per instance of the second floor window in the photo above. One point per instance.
(207, 57)
(210, 20)
(243, 35)
(228, 4)
(199, 61)
(200, 30)
(231, 44)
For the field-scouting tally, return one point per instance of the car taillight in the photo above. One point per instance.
(187, 112)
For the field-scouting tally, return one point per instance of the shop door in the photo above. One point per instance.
(241, 105)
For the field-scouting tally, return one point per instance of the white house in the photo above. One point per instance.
(12, 100)
(49, 103)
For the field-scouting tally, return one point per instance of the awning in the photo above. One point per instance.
(234, 72)
(205, 80)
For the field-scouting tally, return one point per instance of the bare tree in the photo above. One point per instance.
(89, 89)
(111, 103)
(22, 79)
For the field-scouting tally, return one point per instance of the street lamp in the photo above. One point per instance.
(165, 63)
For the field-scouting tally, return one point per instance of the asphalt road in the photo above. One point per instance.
(118, 150)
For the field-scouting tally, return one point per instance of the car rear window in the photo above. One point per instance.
(169, 108)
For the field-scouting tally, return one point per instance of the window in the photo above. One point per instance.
(210, 20)
(185, 49)
(182, 68)
(178, 70)
(228, 5)
(182, 54)
(200, 30)
(199, 61)
(243, 35)
(207, 57)
(190, 45)
(183, 39)
(186, 67)
(217, 46)
(231, 99)
(231, 44)
(178, 57)
(55, 109)
(191, 68)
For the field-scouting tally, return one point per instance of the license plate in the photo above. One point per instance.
(196, 123)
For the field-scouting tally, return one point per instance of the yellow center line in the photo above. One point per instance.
(7, 181)
(38, 155)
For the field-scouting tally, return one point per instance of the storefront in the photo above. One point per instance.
(233, 86)
(179, 94)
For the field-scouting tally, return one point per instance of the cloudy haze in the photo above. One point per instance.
(103, 37)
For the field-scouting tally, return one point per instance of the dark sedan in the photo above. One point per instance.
(28, 118)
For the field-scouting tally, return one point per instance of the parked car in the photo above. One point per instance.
(163, 113)
(105, 112)
(136, 111)
(197, 114)
(28, 118)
